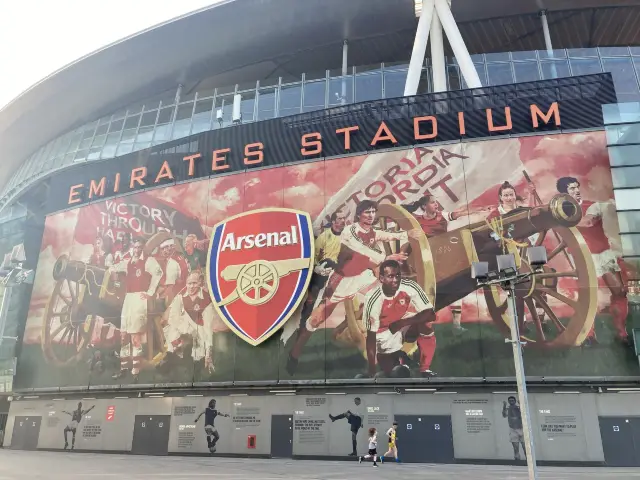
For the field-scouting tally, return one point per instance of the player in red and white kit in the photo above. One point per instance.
(435, 221)
(607, 261)
(172, 272)
(142, 278)
(397, 309)
(361, 251)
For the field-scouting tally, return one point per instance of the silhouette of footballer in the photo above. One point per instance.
(210, 413)
(76, 418)
(355, 422)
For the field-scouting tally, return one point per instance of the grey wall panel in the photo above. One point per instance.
(21, 409)
(252, 416)
(618, 404)
(187, 436)
(311, 425)
(474, 427)
(591, 426)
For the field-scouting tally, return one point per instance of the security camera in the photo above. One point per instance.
(397, 390)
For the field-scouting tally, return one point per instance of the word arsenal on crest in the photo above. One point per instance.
(260, 240)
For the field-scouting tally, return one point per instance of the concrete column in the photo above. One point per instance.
(467, 68)
(419, 49)
(345, 63)
(438, 62)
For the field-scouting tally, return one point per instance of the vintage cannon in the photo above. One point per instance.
(442, 265)
(83, 292)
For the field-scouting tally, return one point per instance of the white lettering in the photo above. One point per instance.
(261, 240)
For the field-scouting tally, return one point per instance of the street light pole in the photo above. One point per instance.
(516, 344)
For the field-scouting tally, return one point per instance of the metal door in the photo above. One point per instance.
(425, 438)
(151, 435)
(282, 436)
(617, 441)
(26, 431)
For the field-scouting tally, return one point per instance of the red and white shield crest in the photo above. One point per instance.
(259, 269)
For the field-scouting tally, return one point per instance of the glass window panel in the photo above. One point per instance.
(624, 77)
(266, 103)
(202, 116)
(128, 135)
(527, 55)
(141, 146)
(290, 100)
(102, 129)
(482, 74)
(424, 84)
(623, 134)
(68, 159)
(108, 151)
(62, 145)
(206, 92)
(88, 130)
(626, 177)
(187, 97)
(555, 69)
(582, 52)
(80, 156)
(317, 75)
(335, 90)
(116, 126)
(585, 66)
(145, 134)
(162, 133)
(94, 154)
(227, 110)
(184, 111)
(630, 243)
(624, 155)
(75, 141)
(500, 74)
(98, 140)
(148, 119)
(614, 51)
(124, 148)
(166, 115)
(314, 95)
(181, 128)
(627, 199)
(132, 122)
(247, 105)
(453, 78)
(629, 221)
(497, 57)
(368, 87)
(394, 83)
(553, 54)
(526, 71)
(134, 109)
(86, 143)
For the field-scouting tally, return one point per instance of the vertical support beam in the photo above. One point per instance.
(419, 49)
(345, 63)
(547, 41)
(179, 93)
(467, 68)
(437, 56)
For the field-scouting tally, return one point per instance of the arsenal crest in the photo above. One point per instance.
(259, 269)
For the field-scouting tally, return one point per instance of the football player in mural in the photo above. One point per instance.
(142, 277)
(194, 252)
(607, 262)
(123, 249)
(210, 413)
(516, 435)
(172, 272)
(360, 253)
(76, 418)
(355, 423)
(327, 248)
(398, 311)
(435, 221)
(190, 323)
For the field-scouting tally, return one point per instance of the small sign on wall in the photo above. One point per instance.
(111, 413)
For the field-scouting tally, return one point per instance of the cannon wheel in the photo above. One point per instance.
(568, 257)
(64, 337)
(419, 267)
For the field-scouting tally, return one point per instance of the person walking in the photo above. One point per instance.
(373, 447)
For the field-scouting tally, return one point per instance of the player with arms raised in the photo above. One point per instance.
(398, 308)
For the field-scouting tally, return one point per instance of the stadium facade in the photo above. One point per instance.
(275, 205)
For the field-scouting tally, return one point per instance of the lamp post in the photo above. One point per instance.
(507, 277)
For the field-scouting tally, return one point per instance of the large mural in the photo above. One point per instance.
(120, 294)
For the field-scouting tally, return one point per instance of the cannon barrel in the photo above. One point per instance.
(563, 210)
(77, 271)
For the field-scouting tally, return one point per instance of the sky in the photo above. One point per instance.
(38, 37)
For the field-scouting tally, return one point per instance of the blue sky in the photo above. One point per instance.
(38, 37)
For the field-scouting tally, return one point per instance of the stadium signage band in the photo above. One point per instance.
(347, 130)
(259, 268)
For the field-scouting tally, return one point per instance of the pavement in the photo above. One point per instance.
(22, 465)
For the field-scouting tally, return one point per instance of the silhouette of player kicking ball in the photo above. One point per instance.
(210, 413)
(76, 418)
(355, 422)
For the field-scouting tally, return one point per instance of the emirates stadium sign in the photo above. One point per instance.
(259, 269)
